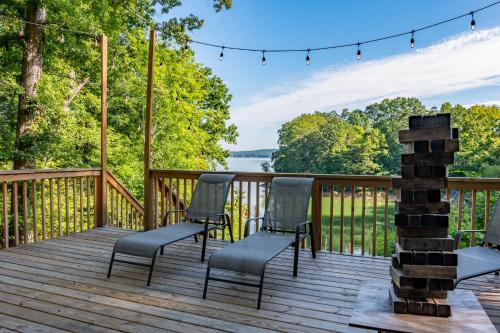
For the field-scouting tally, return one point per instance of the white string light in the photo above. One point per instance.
(221, 55)
(358, 54)
(61, 38)
(412, 40)
(263, 57)
(308, 59)
(472, 22)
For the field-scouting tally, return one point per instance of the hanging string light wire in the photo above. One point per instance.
(369, 41)
(330, 47)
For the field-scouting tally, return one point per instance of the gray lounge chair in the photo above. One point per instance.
(479, 260)
(205, 213)
(283, 225)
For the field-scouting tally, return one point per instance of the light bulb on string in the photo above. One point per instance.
(412, 41)
(61, 38)
(308, 59)
(472, 22)
(263, 57)
(358, 54)
(96, 40)
(221, 56)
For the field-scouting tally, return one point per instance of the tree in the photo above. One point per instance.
(390, 116)
(191, 104)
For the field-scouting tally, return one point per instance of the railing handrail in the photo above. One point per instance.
(327, 179)
(33, 174)
(113, 181)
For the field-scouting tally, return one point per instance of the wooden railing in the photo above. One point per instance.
(124, 210)
(43, 204)
(351, 214)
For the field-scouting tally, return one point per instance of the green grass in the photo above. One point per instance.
(380, 224)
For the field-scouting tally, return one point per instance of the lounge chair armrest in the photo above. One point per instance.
(247, 225)
(299, 226)
(460, 234)
(166, 218)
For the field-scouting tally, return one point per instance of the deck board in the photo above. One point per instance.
(60, 285)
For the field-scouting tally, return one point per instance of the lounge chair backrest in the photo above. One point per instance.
(492, 235)
(209, 196)
(288, 203)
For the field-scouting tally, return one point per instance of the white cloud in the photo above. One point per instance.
(463, 62)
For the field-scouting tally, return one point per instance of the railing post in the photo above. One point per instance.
(317, 198)
(102, 210)
(148, 204)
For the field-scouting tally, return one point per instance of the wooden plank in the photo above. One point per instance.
(88, 203)
(351, 244)
(75, 206)
(82, 217)
(430, 271)
(363, 215)
(428, 244)
(473, 219)
(332, 190)
(34, 174)
(424, 134)
(386, 218)
(66, 194)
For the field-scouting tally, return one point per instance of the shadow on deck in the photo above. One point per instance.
(60, 285)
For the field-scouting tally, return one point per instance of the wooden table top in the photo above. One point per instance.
(373, 311)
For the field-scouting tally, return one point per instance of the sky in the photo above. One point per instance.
(450, 63)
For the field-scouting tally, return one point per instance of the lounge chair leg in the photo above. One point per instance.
(296, 259)
(206, 283)
(195, 238)
(151, 269)
(111, 264)
(161, 250)
(311, 236)
(230, 229)
(260, 290)
(204, 246)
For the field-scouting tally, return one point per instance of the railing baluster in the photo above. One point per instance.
(374, 223)
(341, 235)
(25, 212)
(75, 221)
(473, 219)
(231, 212)
(170, 198)
(5, 216)
(66, 194)
(353, 192)
(332, 218)
(460, 208)
(487, 209)
(162, 189)
(42, 196)
(15, 207)
(59, 217)
(51, 205)
(82, 218)
(363, 216)
(240, 212)
(112, 206)
(95, 203)
(34, 210)
(386, 218)
(249, 200)
(88, 203)
(178, 199)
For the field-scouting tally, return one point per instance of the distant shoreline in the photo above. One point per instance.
(259, 153)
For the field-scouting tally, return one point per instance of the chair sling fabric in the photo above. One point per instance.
(479, 260)
(205, 213)
(284, 224)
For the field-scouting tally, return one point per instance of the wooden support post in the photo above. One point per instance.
(101, 190)
(148, 204)
(317, 197)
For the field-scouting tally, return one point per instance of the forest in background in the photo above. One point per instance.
(366, 141)
(50, 88)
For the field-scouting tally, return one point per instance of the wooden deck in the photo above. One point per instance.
(60, 285)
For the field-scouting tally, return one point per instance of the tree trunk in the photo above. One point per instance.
(31, 74)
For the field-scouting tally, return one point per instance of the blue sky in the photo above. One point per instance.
(449, 63)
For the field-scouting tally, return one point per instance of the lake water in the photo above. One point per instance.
(251, 164)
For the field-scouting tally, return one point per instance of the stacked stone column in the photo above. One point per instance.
(425, 265)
